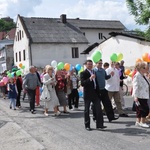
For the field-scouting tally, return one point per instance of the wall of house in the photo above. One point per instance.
(92, 35)
(20, 45)
(44, 54)
(10, 56)
(131, 49)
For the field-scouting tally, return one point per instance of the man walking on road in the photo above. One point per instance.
(30, 82)
(90, 88)
(101, 76)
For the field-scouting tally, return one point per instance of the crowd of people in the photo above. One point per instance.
(102, 91)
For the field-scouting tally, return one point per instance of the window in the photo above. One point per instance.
(100, 36)
(19, 56)
(84, 33)
(16, 58)
(75, 52)
(24, 55)
(22, 33)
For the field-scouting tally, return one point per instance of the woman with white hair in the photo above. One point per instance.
(50, 82)
(141, 94)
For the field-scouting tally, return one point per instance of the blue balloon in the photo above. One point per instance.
(80, 94)
(78, 67)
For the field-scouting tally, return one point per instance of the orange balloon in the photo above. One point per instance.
(145, 57)
(20, 65)
(67, 66)
(127, 72)
(138, 60)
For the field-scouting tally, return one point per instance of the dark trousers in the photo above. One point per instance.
(73, 97)
(18, 99)
(143, 109)
(31, 97)
(97, 109)
(106, 103)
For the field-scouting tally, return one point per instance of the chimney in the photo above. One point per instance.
(63, 18)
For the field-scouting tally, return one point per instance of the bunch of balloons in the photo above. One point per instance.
(116, 57)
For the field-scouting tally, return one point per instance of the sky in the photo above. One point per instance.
(83, 9)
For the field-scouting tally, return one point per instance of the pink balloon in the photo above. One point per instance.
(149, 55)
(5, 79)
(1, 83)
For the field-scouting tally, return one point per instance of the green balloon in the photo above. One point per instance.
(113, 57)
(96, 56)
(22, 67)
(60, 66)
(18, 73)
(14, 69)
(9, 75)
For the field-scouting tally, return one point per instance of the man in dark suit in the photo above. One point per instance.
(88, 81)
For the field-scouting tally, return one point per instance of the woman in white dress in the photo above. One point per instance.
(50, 82)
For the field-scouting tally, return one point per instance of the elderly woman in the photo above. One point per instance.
(141, 94)
(61, 88)
(50, 82)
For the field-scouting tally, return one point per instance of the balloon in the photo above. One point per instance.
(130, 74)
(113, 57)
(18, 73)
(96, 56)
(7, 72)
(60, 66)
(145, 57)
(80, 94)
(54, 63)
(12, 74)
(149, 55)
(23, 67)
(20, 65)
(78, 67)
(138, 60)
(14, 69)
(82, 69)
(9, 75)
(67, 66)
(120, 57)
(2, 83)
(127, 72)
(5, 80)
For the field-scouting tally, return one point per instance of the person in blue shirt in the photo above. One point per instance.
(101, 76)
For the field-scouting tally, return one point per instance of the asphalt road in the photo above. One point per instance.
(21, 130)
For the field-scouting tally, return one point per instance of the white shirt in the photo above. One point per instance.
(113, 84)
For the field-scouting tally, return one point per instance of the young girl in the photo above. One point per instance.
(12, 93)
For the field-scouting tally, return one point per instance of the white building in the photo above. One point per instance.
(38, 41)
(130, 45)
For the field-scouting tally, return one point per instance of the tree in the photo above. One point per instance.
(140, 9)
(6, 25)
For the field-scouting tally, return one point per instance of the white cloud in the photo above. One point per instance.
(84, 9)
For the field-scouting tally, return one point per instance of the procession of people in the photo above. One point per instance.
(102, 91)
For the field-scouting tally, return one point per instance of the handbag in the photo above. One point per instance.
(45, 96)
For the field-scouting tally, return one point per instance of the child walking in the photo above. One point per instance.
(12, 93)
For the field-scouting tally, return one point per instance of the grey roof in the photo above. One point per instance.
(52, 30)
(97, 24)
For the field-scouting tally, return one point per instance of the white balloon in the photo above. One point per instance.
(54, 63)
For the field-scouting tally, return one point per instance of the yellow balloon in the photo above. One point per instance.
(120, 56)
